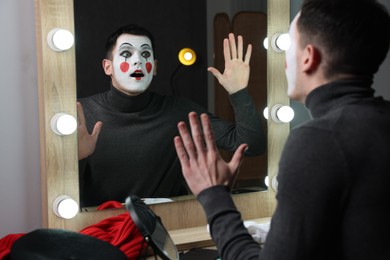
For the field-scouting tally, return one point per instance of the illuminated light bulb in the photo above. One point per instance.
(274, 183)
(283, 42)
(63, 124)
(60, 39)
(285, 114)
(282, 114)
(265, 113)
(266, 181)
(265, 43)
(187, 56)
(280, 42)
(65, 207)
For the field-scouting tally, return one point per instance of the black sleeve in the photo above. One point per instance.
(247, 127)
(227, 229)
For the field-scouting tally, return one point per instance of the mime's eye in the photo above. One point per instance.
(126, 54)
(146, 54)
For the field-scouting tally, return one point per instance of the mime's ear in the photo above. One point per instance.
(311, 58)
(107, 67)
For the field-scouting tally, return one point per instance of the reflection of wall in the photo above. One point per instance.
(253, 27)
(175, 24)
(229, 7)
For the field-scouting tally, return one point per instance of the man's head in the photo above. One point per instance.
(334, 39)
(130, 59)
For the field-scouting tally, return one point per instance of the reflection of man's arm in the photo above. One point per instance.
(86, 141)
(247, 128)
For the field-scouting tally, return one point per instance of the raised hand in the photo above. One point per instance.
(236, 74)
(201, 163)
(86, 142)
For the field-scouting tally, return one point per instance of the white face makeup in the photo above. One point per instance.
(133, 63)
(291, 59)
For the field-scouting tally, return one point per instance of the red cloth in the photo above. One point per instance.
(6, 244)
(112, 204)
(119, 231)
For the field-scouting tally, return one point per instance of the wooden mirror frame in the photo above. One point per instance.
(57, 93)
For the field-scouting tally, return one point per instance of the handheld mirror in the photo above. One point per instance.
(151, 228)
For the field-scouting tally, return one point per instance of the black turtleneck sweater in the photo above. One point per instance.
(135, 153)
(333, 185)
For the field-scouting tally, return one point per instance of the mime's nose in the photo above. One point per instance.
(136, 59)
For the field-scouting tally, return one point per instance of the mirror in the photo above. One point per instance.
(57, 93)
(185, 26)
(151, 228)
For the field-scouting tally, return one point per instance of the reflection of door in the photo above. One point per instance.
(253, 27)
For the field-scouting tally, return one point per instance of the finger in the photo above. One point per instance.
(187, 140)
(232, 42)
(248, 54)
(237, 158)
(80, 114)
(197, 133)
(235, 163)
(208, 133)
(226, 50)
(240, 48)
(96, 129)
(215, 72)
(181, 151)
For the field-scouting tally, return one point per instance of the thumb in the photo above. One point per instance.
(96, 129)
(238, 157)
(215, 72)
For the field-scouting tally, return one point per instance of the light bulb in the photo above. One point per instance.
(60, 39)
(283, 41)
(63, 124)
(266, 181)
(265, 43)
(282, 114)
(280, 42)
(274, 183)
(65, 207)
(187, 56)
(285, 114)
(265, 113)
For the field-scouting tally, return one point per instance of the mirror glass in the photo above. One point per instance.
(176, 24)
(151, 228)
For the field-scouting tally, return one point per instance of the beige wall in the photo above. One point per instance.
(20, 209)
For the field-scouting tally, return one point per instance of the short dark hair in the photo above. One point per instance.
(133, 29)
(354, 34)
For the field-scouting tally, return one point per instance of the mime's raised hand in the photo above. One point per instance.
(86, 142)
(236, 74)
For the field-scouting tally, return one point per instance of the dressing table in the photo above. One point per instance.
(184, 218)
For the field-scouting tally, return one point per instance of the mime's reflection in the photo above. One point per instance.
(125, 135)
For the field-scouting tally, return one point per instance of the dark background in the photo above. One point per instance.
(175, 24)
